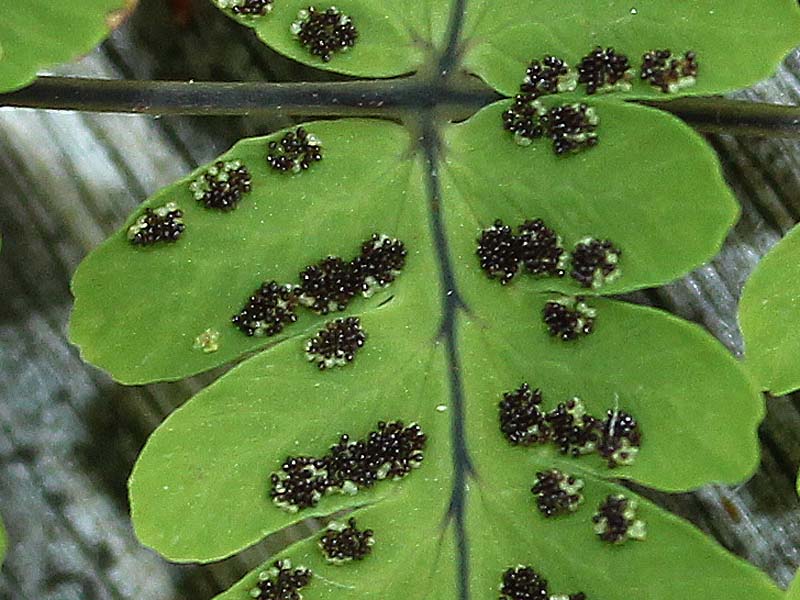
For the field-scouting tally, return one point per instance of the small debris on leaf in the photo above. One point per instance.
(208, 341)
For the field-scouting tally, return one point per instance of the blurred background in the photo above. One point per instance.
(69, 435)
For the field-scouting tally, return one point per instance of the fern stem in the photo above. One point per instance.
(389, 98)
(380, 98)
(734, 117)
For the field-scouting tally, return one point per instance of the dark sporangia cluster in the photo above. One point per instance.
(535, 246)
(605, 70)
(250, 8)
(331, 284)
(268, 310)
(337, 343)
(498, 252)
(295, 152)
(540, 249)
(569, 318)
(615, 520)
(163, 224)
(668, 73)
(281, 582)
(381, 260)
(324, 287)
(324, 32)
(253, 8)
(524, 119)
(343, 543)
(574, 432)
(390, 452)
(521, 420)
(557, 493)
(300, 483)
(569, 427)
(571, 127)
(621, 438)
(617, 438)
(328, 285)
(548, 76)
(594, 262)
(523, 583)
(222, 186)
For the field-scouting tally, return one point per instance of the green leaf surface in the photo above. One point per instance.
(232, 434)
(214, 455)
(171, 294)
(769, 313)
(36, 34)
(619, 365)
(502, 36)
(391, 41)
(639, 188)
(412, 559)
(2, 542)
(175, 486)
(676, 561)
(291, 221)
(793, 593)
(428, 358)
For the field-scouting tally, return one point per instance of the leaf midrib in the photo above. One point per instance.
(452, 305)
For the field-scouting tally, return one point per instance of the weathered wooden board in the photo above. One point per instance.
(69, 436)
